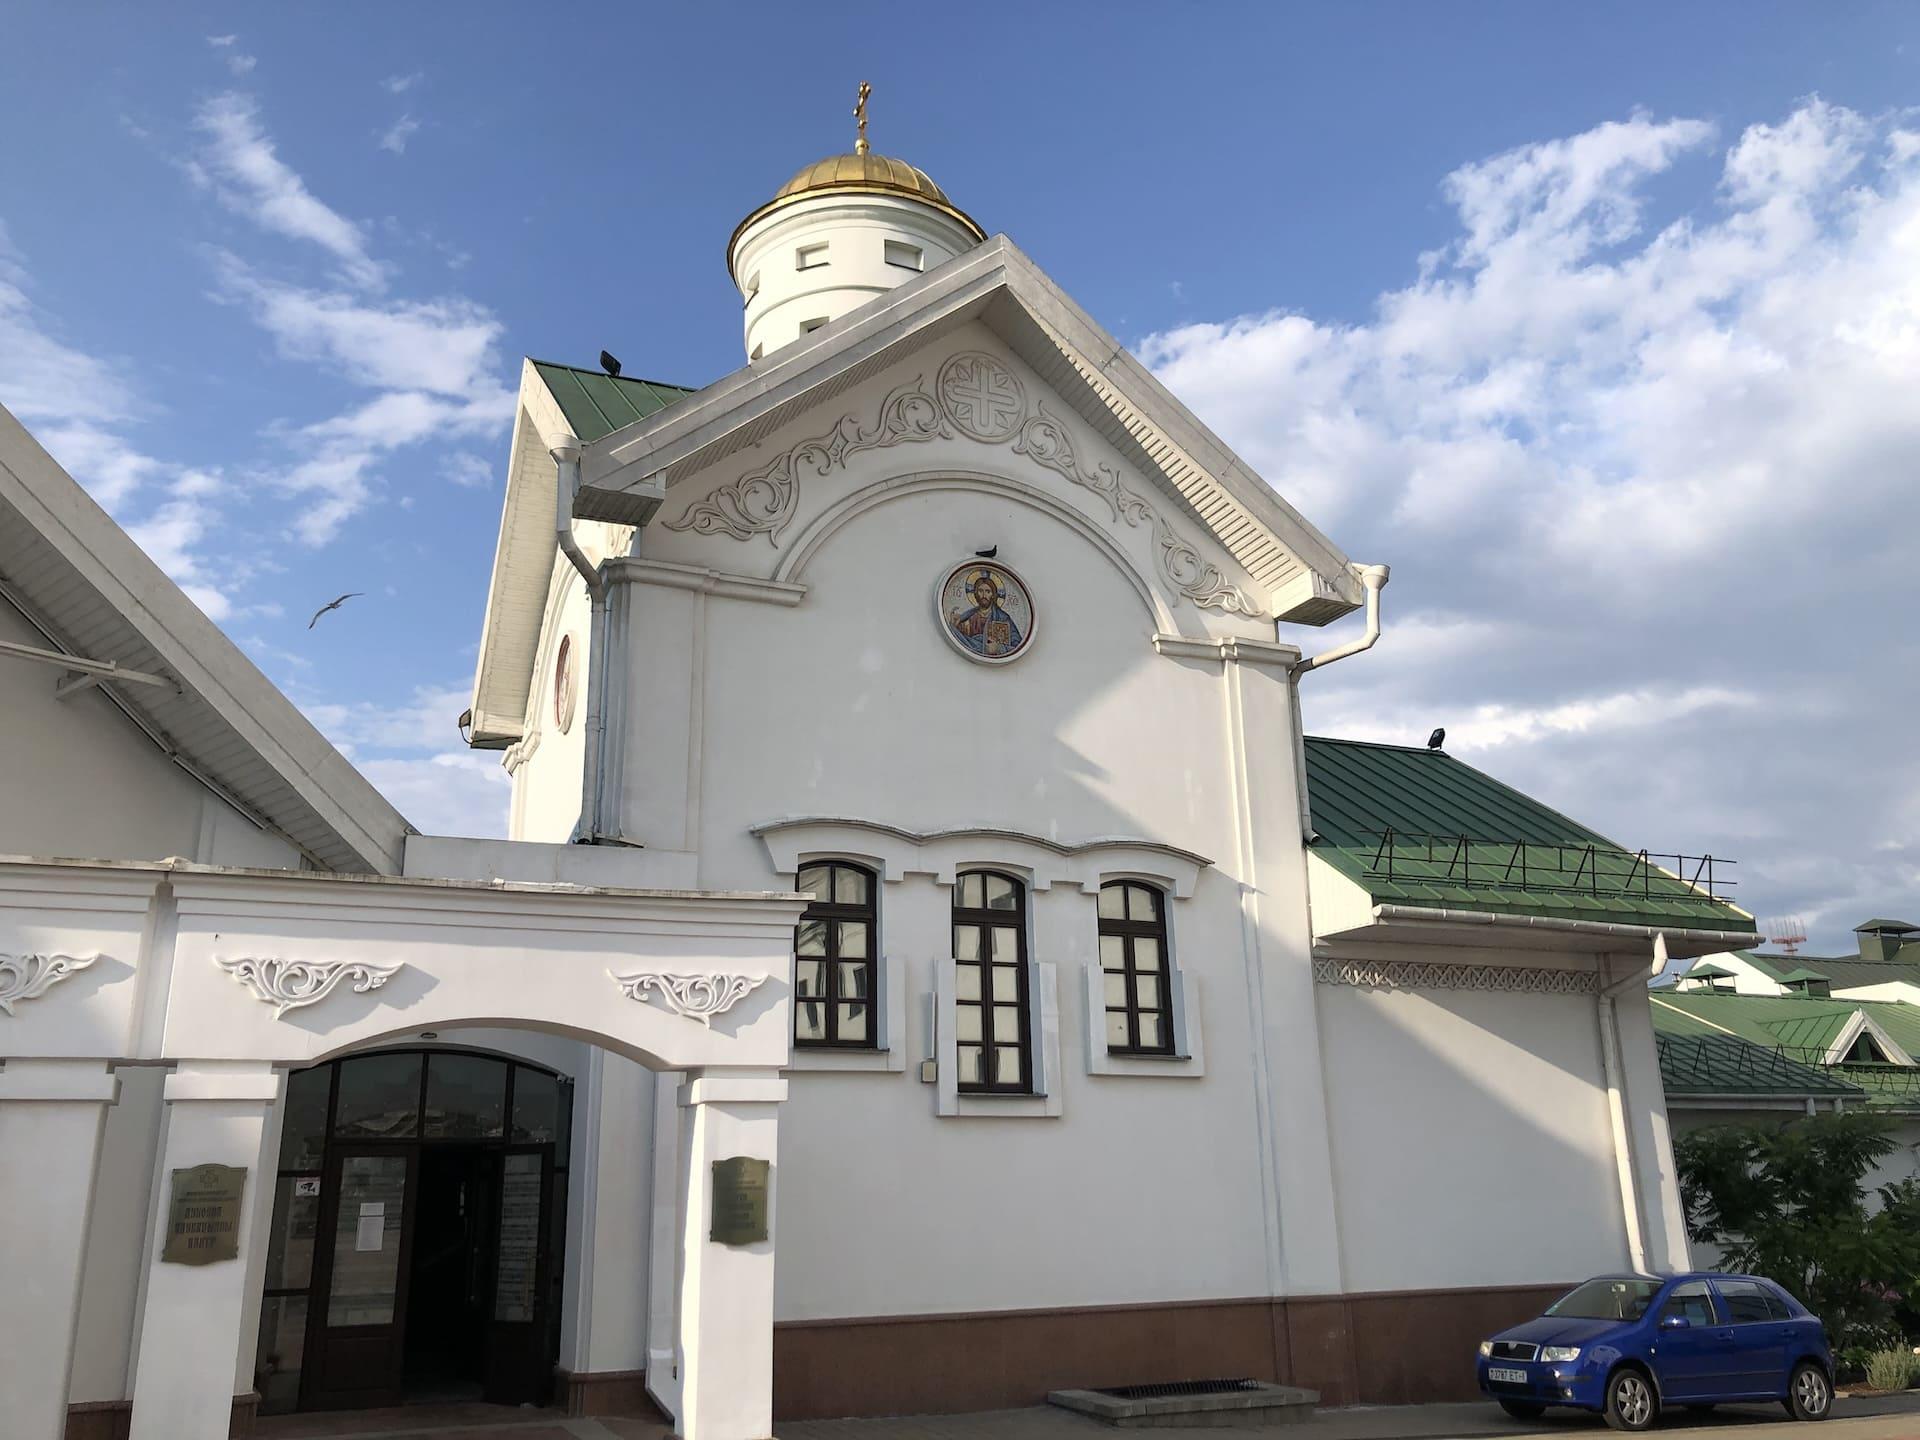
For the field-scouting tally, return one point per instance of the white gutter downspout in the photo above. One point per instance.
(1374, 577)
(1616, 1103)
(566, 460)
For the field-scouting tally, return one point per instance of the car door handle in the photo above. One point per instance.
(1726, 1334)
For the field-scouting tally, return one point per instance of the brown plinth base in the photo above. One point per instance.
(111, 1419)
(1400, 1347)
(606, 1392)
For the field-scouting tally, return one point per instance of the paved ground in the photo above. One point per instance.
(1895, 1417)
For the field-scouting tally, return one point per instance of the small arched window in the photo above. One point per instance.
(833, 949)
(992, 1030)
(1133, 961)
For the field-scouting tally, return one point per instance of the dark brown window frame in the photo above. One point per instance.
(1127, 931)
(984, 919)
(830, 912)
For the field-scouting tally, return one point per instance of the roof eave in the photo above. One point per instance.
(1445, 925)
(366, 830)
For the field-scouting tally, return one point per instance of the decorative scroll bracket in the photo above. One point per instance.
(23, 977)
(289, 984)
(698, 997)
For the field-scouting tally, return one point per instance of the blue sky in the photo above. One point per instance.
(1507, 295)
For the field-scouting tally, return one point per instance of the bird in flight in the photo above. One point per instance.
(333, 605)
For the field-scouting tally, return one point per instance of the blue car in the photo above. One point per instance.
(1624, 1345)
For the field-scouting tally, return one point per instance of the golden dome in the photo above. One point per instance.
(865, 172)
(862, 173)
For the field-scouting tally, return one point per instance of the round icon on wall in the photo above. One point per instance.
(563, 685)
(986, 611)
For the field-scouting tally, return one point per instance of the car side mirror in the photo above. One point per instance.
(1675, 1322)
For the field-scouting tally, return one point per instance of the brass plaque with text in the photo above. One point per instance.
(203, 1215)
(740, 1200)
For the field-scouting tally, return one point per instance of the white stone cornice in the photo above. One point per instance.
(897, 851)
(1230, 650)
(633, 570)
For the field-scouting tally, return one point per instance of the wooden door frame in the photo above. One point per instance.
(317, 1328)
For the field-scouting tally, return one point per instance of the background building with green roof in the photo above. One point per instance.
(1733, 1057)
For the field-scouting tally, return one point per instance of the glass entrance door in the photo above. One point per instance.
(518, 1371)
(358, 1354)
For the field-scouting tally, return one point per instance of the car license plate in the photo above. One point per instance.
(1507, 1377)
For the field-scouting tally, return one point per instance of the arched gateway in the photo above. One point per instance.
(296, 1017)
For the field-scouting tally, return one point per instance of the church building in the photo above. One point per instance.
(930, 965)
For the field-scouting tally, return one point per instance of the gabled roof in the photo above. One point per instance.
(596, 404)
(1304, 577)
(555, 400)
(1463, 840)
(1705, 1063)
(94, 593)
(1845, 972)
(1806, 1030)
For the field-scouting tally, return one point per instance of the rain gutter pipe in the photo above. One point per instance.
(566, 460)
(1616, 1105)
(1374, 577)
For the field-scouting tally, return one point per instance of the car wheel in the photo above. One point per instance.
(1631, 1403)
(1522, 1409)
(1809, 1395)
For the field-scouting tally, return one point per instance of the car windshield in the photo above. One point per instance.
(1607, 1300)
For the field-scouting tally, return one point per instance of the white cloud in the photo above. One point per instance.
(240, 162)
(457, 792)
(400, 84)
(1648, 418)
(396, 135)
(463, 467)
(413, 753)
(444, 346)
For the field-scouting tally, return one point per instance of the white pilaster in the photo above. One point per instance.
(726, 1291)
(191, 1315)
(51, 1116)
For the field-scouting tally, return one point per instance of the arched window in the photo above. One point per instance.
(992, 1033)
(1133, 957)
(833, 949)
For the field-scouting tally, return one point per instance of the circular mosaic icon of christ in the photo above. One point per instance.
(985, 611)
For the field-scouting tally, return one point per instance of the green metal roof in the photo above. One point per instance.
(597, 404)
(1713, 1064)
(1897, 927)
(1462, 840)
(1803, 1028)
(1847, 972)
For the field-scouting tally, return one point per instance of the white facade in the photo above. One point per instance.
(762, 674)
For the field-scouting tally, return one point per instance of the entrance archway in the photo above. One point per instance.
(417, 1245)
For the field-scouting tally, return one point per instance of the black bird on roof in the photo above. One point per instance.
(609, 364)
(1437, 739)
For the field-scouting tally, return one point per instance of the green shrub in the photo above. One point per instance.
(1890, 1369)
(1790, 1202)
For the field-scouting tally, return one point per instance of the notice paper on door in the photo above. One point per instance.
(372, 1232)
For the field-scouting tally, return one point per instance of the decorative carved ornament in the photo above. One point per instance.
(981, 398)
(22, 977)
(1411, 975)
(698, 997)
(289, 984)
